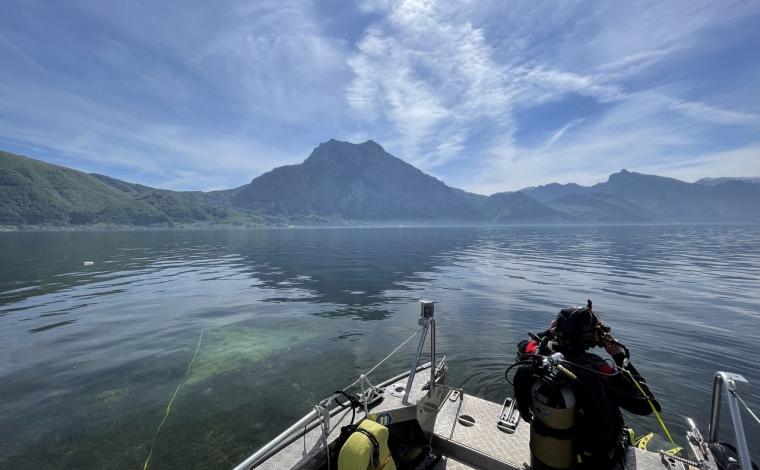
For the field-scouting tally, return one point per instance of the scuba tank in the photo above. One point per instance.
(551, 431)
(552, 406)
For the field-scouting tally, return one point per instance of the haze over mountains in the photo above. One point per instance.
(345, 184)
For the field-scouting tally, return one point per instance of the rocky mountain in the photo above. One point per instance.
(516, 207)
(600, 208)
(342, 183)
(552, 191)
(667, 199)
(356, 182)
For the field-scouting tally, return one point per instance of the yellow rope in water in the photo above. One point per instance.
(659, 418)
(169, 406)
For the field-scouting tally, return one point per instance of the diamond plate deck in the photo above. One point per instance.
(511, 450)
(483, 445)
(451, 464)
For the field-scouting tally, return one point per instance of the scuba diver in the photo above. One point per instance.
(572, 397)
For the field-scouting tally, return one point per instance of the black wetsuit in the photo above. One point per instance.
(600, 392)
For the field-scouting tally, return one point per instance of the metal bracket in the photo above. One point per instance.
(697, 441)
(509, 418)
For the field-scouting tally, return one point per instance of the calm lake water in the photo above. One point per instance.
(90, 355)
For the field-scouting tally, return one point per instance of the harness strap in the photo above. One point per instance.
(375, 446)
(353, 402)
(544, 430)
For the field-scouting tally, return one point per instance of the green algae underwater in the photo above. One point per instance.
(232, 362)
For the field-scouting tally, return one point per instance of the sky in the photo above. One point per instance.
(487, 96)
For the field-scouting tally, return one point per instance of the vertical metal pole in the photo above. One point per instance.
(736, 417)
(712, 430)
(730, 382)
(416, 361)
(432, 352)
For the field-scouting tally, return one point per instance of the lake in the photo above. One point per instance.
(91, 355)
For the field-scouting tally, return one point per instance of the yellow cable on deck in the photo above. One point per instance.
(169, 406)
(662, 423)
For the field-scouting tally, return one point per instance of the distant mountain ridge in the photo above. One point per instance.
(724, 179)
(341, 183)
(659, 199)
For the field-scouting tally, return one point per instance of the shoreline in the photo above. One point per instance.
(348, 225)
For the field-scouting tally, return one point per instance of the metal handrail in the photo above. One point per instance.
(731, 383)
(427, 322)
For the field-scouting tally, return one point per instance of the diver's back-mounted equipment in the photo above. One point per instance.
(552, 407)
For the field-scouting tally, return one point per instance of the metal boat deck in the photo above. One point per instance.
(484, 446)
(481, 445)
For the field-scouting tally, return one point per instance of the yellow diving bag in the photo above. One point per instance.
(366, 449)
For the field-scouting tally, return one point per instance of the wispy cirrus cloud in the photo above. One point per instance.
(558, 135)
(450, 82)
(707, 113)
(429, 79)
(435, 79)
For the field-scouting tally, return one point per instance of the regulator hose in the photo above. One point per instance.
(512, 366)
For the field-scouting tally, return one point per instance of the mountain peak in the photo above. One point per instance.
(355, 181)
(337, 151)
(372, 144)
(625, 176)
(622, 173)
(334, 143)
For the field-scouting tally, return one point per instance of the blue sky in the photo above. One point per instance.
(487, 96)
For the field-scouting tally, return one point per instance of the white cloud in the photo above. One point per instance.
(558, 135)
(429, 72)
(736, 162)
(19, 52)
(275, 56)
(432, 80)
(715, 114)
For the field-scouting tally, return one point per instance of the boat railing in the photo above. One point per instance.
(732, 384)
